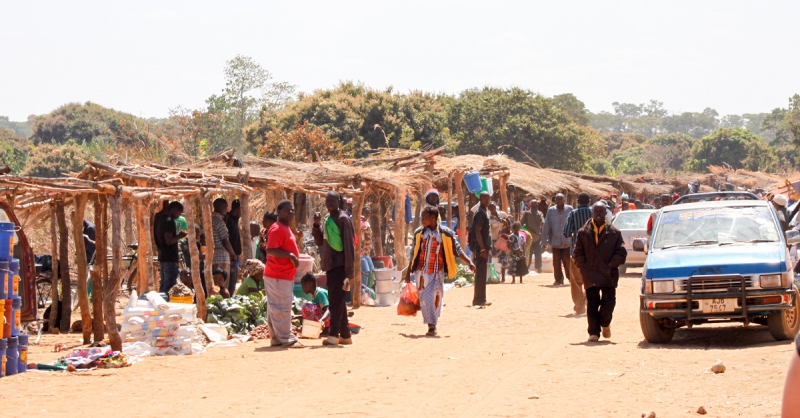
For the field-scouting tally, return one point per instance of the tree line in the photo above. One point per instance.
(258, 115)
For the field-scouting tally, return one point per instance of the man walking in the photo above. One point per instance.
(279, 275)
(598, 254)
(480, 244)
(575, 221)
(337, 249)
(553, 237)
(168, 257)
(532, 221)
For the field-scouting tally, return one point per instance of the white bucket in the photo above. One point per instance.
(385, 299)
(306, 266)
(311, 329)
(383, 285)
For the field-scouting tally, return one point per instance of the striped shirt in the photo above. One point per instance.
(576, 220)
(220, 231)
(433, 259)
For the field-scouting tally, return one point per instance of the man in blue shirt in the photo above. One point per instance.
(554, 240)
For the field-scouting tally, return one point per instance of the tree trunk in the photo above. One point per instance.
(355, 285)
(111, 286)
(143, 261)
(54, 271)
(462, 209)
(450, 200)
(375, 223)
(128, 215)
(205, 210)
(504, 193)
(63, 267)
(80, 261)
(400, 227)
(100, 278)
(200, 295)
(247, 239)
(418, 210)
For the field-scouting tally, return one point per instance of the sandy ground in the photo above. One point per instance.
(486, 362)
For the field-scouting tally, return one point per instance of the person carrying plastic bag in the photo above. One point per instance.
(434, 255)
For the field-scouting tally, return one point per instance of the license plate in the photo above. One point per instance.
(718, 305)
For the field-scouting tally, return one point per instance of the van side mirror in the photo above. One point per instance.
(639, 245)
(792, 237)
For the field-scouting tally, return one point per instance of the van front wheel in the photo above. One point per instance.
(786, 324)
(653, 331)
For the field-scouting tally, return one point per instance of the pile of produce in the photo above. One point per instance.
(179, 290)
(463, 276)
(260, 332)
(239, 314)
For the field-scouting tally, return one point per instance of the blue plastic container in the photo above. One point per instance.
(473, 181)
(12, 356)
(3, 347)
(16, 310)
(13, 268)
(6, 240)
(5, 290)
(23, 353)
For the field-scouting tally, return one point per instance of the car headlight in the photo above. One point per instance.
(663, 286)
(770, 280)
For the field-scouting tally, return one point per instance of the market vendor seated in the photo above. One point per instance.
(220, 277)
(253, 284)
(317, 309)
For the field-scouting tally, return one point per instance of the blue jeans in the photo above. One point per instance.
(169, 275)
(367, 267)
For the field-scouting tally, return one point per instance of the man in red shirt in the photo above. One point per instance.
(279, 277)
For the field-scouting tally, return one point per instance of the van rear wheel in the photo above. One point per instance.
(653, 331)
(786, 324)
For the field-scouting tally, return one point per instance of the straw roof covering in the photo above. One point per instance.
(524, 177)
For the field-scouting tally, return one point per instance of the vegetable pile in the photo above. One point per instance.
(239, 314)
(463, 276)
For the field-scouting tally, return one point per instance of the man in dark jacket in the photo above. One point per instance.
(598, 254)
(334, 236)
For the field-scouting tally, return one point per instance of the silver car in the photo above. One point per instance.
(632, 224)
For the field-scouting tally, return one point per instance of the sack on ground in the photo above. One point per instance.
(409, 301)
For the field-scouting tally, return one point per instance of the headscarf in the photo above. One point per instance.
(251, 267)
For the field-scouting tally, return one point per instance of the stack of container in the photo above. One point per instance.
(162, 325)
(13, 344)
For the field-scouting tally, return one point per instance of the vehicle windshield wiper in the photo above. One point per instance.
(750, 241)
(689, 244)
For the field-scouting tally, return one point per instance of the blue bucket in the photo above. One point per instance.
(3, 348)
(6, 240)
(5, 289)
(12, 356)
(16, 311)
(23, 353)
(473, 181)
(13, 268)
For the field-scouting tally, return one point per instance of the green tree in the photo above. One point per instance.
(574, 107)
(521, 124)
(631, 161)
(722, 146)
(22, 129)
(667, 153)
(48, 160)
(14, 150)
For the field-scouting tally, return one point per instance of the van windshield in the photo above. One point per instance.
(716, 226)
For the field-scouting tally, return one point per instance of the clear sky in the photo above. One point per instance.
(146, 57)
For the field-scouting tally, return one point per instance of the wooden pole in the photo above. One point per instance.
(111, 286)
(375, 222)
(130, 238)
(80, 261)
(142, 226)
(450, 200)
(504, 192)
(205, 210)
(63, 266)
(355, 286)
(400, 227)
(54, 272)
(194, 256)
(150, 249)
(418, 210)
(462, 208)
(100, 278)
(247, 240)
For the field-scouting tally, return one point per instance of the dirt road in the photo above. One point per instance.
(486, 362)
